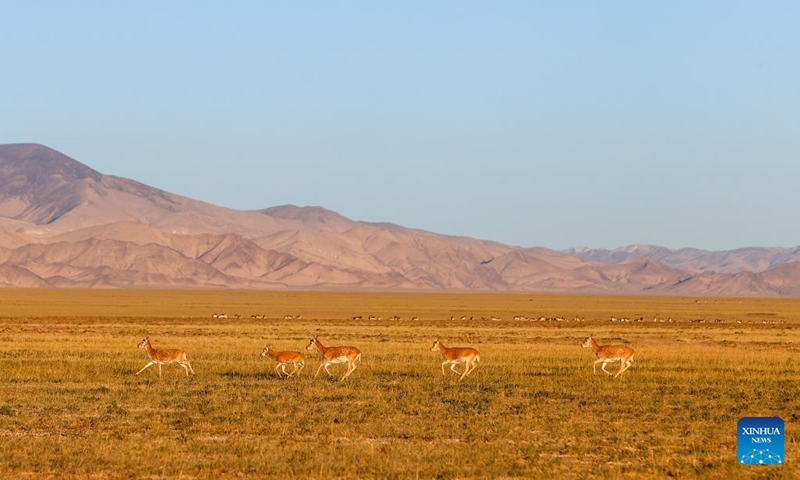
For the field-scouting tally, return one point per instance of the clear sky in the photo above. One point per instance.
(533, 123)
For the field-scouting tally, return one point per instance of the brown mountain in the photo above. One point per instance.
(63, 224)
(45, 193)
(750, 259)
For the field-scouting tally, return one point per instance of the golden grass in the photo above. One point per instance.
(71, 406)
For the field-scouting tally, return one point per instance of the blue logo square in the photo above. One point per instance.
(760, 441)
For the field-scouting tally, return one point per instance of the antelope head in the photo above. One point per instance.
(312, 343)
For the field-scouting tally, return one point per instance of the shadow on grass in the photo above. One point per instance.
(250, 376)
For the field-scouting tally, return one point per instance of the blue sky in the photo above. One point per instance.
(553, 124)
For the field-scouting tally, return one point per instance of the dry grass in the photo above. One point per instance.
(71, 406)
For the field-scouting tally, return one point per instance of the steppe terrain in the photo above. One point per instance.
(71, 406)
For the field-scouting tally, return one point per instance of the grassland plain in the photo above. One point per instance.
(70, 405)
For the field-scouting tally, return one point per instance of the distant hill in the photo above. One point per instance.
(751, 259)
(63, 224)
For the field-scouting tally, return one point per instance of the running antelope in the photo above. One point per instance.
(295, 358)
(453, 356)
(167, 355)
(609, 353)
(334, 355)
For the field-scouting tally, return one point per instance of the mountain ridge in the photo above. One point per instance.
(752, 259)
(64, 224)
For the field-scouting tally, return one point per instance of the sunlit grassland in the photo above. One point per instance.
(70, 404)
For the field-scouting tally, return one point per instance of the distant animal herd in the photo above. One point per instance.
(517, 318)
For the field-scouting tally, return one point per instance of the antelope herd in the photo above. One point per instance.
(468, 356)
(517, 318)
(452, 356)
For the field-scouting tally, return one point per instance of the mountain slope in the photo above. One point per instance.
(751, 259)
(63, 224)
(45, 193)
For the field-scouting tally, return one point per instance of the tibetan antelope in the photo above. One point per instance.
(453, 356)
(295, 358)
(609, 353)
(334, 355)
(167, 355)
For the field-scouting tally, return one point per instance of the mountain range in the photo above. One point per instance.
(63, 224)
